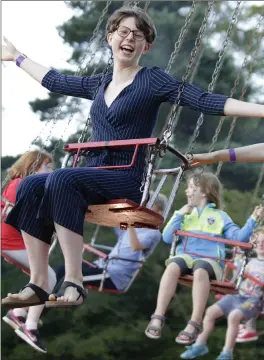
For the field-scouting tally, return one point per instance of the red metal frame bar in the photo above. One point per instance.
(215, 239)
(106, 144)
(104, 256)
(95, 251)
(246, 275)
(16, 264)
(90, 264)
(77, 147)
(210, 238)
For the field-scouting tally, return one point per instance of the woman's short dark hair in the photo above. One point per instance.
(143, 21)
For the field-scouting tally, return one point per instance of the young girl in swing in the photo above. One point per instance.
(125, 106)
(201, 215)
(246, 305)
(12, 243)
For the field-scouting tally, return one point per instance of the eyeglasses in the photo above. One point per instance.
(124, 31)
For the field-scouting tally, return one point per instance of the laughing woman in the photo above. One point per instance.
(58, 202)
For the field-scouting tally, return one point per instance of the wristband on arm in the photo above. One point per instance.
(232, 155)
(20, 59)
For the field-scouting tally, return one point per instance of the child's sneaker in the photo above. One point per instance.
(193, 351)
(14, 321)
(225, 356)
(246, 336)
(32, 337)
(241, 328)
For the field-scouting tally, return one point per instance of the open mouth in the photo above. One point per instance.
(126, 49)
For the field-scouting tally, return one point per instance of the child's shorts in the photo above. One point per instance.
(249, 306)
(188, 265)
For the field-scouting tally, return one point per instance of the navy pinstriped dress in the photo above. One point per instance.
(64, 195)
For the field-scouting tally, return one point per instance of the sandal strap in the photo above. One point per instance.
(67, 284)
(197, 326)
(41, 294)
(191, 336)
(153, 328)
(159, 317)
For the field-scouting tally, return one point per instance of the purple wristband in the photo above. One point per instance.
(232, 155)
(20, 59)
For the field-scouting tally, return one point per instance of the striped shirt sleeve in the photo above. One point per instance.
(165, 87)
(77, 86)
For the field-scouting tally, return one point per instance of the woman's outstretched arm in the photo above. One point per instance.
(251, 153)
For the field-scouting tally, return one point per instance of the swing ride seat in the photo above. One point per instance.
(120, 212)
(16, 264)
(224, 286)
(104, 257)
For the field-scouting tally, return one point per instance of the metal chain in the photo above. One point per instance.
(193, 74)
(147, 5)
(57, 111)
(131, 3)
(183, 31)
(215, 75)
(257, 188)
(236, 83)
(198, 42)
(233, 124)
(168, 132)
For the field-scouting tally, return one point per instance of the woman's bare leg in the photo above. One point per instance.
(38, 258)
(72, 249)
(35, 312)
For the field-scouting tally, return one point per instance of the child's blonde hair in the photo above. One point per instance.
(210, 186)
(25, 164)
(259, 229)
(254, 236)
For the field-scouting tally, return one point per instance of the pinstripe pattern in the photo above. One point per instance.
(64, 195)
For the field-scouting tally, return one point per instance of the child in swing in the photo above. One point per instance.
(201, 215)
(246, 305)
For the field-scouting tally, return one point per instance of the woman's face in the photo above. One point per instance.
(46, 167)
(128, 43)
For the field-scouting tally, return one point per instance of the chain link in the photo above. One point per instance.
(236, 83)
(215, 75)
(179, 42)
(244, 90)
(57, 111)
(147, 5)
(168, 132)
(257, 188)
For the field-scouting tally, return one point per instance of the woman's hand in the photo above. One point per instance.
(207, 158)
(9, 51)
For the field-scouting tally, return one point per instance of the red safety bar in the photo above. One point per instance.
(16, 264)
(104, 256)
(220, 287)
(129, 212)
(78, 147)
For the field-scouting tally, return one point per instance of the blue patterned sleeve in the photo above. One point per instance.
(165, 88)
(77, 86)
